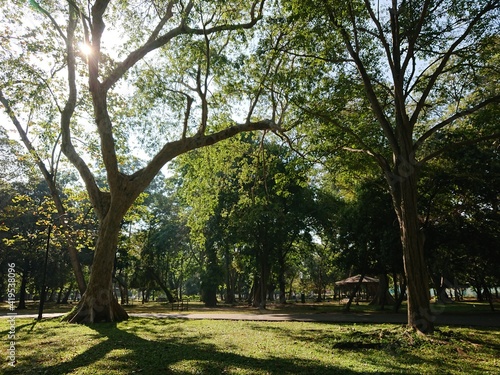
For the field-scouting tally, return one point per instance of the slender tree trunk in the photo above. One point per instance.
(99, 303)
(51, 295)
(264, 278)
(162, 285)
(210, 278)
(347, 307)
(395, 283)
(230, 282)
(256, 295)
(281, 277)
(252, 295)
(239, 286)
(383, 297)
(59, 295)
(479, 292)
(22, 291)
(67, 294)
(290, 291)
(488, 295)
(401, 296)
(123, 289)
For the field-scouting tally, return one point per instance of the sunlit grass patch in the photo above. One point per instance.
(170, 346)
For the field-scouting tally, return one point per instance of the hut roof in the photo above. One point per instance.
(355, 280)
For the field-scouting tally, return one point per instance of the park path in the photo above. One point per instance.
(477, 320)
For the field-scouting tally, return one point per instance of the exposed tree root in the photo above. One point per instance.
(91, 310)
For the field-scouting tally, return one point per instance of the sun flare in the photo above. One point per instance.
(85, 48)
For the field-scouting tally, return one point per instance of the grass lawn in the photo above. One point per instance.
(172, 346)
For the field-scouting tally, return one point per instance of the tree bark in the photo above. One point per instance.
(404, 194)
(99, 303)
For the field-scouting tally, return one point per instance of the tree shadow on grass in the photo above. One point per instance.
(390, 348)
(5, 333)
(124, 352)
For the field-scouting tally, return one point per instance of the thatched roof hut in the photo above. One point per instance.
(366, 292)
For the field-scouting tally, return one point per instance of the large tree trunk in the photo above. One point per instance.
(99, 303)
(404, 194)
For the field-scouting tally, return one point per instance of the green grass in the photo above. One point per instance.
(171, 346)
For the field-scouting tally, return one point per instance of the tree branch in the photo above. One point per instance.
(67, 114)
(444, 61)
(372, 96)
(457, 145)
(456, 116)
(24, 138)
(182, 29)
(143, 177)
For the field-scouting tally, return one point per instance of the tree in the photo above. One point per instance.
(250, 198)
(151, 33)
(166, 248)
(369, 236)
(462, 229)
(50, 175)
(388, 78)
(25, 235)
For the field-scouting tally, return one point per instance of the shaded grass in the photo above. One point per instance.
(171, 346)
(467, 307)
